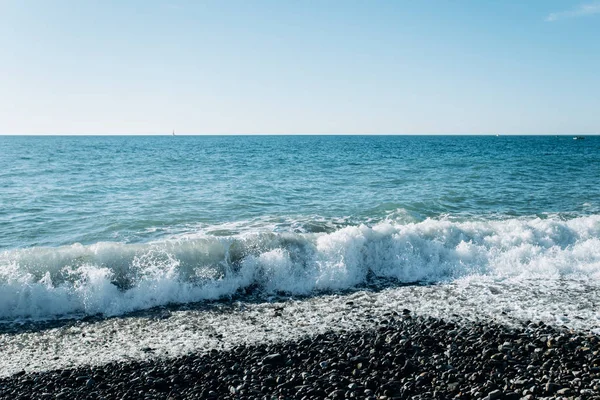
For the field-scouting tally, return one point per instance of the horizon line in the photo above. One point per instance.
(302, 134)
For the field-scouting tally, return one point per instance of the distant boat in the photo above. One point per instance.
(578, 137)
(173, 132)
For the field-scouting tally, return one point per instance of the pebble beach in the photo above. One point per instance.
(400, 356)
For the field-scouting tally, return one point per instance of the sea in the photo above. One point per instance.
(159, 245)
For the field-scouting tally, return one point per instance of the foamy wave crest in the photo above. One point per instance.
(113, 278)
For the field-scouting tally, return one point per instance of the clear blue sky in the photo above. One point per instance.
(253, 66)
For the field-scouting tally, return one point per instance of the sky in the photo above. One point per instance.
(299, 67)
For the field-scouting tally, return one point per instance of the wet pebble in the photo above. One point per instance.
(399, 358)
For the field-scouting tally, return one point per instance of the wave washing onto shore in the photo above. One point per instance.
(114, 278)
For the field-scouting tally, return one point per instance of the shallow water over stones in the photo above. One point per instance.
(168, 333)
(401, 356)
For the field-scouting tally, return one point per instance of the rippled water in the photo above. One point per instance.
(114, 224)
(62, 190)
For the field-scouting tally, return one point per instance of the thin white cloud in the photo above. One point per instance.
(580, 11)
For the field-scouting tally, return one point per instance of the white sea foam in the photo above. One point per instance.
(114, 278)
(564, 302)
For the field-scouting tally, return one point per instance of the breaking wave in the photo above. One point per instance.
(114, 278)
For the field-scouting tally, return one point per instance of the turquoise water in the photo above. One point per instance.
(110, 224)
(62, 190)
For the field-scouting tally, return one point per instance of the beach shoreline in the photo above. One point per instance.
(398, 356)
(170, 332)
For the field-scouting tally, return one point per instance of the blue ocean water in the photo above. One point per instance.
(114, 223)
